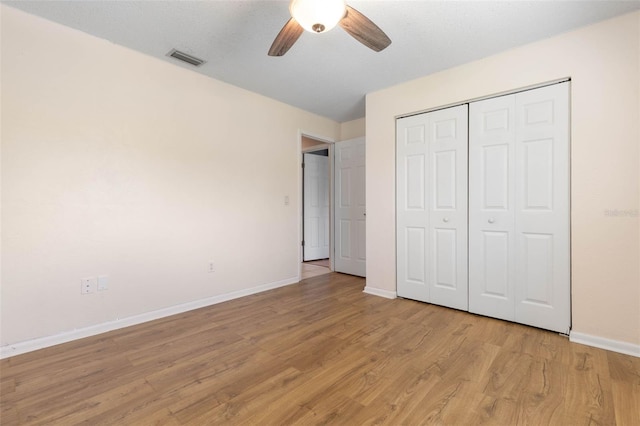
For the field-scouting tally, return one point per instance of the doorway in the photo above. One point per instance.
(346, 208)
(316, 207)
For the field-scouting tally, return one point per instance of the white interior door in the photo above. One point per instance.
(519, 208)
(492, 207)
(543, 265)
(350, 225)
(316, 207)
(431, 155)
(412, 210)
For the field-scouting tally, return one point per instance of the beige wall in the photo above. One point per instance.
(348, 130)
(603, 62)
(120, 164)
(352, 129)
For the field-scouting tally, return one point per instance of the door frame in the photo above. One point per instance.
(310, 151)
(328, 143)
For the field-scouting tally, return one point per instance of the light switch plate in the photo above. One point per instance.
(103, 283)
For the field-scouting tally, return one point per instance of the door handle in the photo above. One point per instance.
(491, 220)
(445, 220)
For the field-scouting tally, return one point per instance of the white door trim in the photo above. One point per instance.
(300, 235)
(482, 98)
(316, 211)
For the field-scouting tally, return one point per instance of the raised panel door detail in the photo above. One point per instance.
(361, 251)
(496, 264)
(344, 244)
(445, 180)
(538, 271)
(415, 135)
(538, 113)
(445, 129)
(345, 187)
(315, 233)
(538, 186)
(360, 196)
(414, 262)
(314, 191)
(495, 120)
(495, 167)
(344, 154)
(445, 264)
(415, 183)
(324, 240)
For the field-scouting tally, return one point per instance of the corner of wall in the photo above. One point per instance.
(352, 129)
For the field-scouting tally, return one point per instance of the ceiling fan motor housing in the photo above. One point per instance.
(318, 16)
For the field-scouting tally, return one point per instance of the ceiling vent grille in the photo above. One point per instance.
(185, 57)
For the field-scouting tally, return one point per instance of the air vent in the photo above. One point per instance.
(185, 57)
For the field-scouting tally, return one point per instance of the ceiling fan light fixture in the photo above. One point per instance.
(318, 16)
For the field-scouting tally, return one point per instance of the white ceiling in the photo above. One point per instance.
(328, 74)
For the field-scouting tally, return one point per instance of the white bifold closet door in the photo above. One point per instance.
(431, 161)
(519, 252)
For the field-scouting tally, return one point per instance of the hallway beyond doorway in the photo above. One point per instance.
(314, 268)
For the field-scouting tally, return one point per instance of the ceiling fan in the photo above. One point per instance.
(319, 16)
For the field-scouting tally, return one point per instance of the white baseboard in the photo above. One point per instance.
(379, 292)
(67, 336)
(603, 343)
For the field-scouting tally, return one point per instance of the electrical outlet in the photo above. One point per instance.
(103, 283)
(211, 268)
(88, 285)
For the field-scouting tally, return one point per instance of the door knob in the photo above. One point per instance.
(445, 220)
(491, 220)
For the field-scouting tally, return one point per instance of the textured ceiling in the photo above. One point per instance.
(328, 74)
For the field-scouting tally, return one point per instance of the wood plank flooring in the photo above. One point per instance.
(321, 352)
(309, 270)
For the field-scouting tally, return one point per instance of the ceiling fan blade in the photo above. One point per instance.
(286, 38)
(362, 29)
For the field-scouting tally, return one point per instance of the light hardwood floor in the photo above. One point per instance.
(322, 352)
(309, 270)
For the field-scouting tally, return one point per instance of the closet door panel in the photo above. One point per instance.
(497, 279)
(491, 207)
(519, 253)
(483, 214)
(448, 150)
(431, 213)
(412, 212)
(542, 208)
